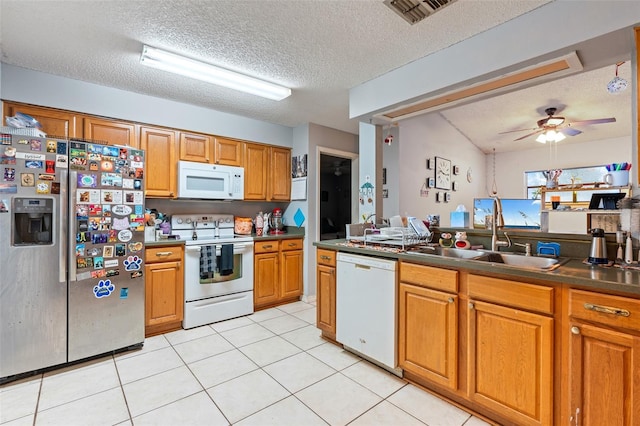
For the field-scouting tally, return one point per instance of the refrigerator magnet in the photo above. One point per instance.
(104, 288)
(124, 293)
(132, 263)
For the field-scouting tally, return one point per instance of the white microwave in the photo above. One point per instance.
(210, 181)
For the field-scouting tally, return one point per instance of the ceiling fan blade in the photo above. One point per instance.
(530, 134)
(594, 121)
(570, 131)
(519, 130)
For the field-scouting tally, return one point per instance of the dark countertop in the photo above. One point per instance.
(574, 272)
(292, 232)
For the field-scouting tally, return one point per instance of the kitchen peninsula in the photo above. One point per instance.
(520, 346)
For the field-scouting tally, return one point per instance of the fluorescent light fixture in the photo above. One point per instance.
(166, 61)
(550, 136)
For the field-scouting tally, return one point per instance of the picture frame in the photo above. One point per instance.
(456, 170)
(447, 197)
(384, 175)
(454, 186)
(438, 197)
(443, 173)
(385, 193)
(429, 164)
(431, 182)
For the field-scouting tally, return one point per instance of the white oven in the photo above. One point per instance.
(223, 287)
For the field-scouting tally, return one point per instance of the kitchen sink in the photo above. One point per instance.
(524, 262)
(447, 252)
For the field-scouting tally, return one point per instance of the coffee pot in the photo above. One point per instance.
(598, 252)
(276, 221)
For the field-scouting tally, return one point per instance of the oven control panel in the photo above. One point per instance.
(199, 221)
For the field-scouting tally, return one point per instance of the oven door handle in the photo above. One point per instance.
(236, 247)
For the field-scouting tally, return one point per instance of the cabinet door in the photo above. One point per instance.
(511, 362)
(428, 334)
(228, 152)
(160, 161)
(326, 297)
(111, 132)
(54, 122)
(195, 147)
(291, 274)
(604, 376)
(280, 174)
(265, 278)
(255, 171)
(164, 293)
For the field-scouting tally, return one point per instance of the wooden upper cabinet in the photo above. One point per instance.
(111, 132)
(160, 161)
(280, 174)
(228, 152)
(196, 147)
(638, 89)
(54, 122)
(255, 171)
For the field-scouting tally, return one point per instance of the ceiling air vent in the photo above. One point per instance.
(414, 11)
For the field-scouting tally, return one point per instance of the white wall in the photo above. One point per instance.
(510, 166)
(429, 136)
(37, 88)
(391, 162)
(308, 139)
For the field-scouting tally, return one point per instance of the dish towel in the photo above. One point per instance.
(207, 262)
(226, 259)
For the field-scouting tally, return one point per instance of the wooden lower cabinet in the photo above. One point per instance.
(604, 358)
(428, 323)
(164, 289)
(277, 272)
(510, 349)
(326, 292)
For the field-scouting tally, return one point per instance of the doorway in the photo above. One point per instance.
(335, 195)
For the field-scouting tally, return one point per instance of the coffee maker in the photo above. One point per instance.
(276, 222)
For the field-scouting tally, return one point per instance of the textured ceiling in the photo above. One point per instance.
(319, 48)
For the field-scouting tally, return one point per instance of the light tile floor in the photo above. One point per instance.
(269, 368)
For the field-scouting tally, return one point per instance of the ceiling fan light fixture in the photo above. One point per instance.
(617, 84)
(550, 136)
(170, 62)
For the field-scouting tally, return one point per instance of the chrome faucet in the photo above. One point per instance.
(498, 223)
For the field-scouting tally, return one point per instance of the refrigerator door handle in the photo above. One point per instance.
(70, 221)
(63, 227)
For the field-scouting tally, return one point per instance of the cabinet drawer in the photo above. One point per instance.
(427, 276)
(163, 254)
(512, 293)
(291, 245)
(265, 246)
(606, 309)
(326, 257)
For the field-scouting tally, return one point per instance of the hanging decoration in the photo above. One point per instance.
(494, 187)
(617, 84)
(366, 192)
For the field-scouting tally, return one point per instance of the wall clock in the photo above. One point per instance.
(443, 173)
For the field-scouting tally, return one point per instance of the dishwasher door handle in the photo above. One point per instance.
(362, 266)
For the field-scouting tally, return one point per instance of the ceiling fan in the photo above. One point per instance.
(554, 128)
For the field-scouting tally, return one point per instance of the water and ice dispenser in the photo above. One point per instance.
(32, 221)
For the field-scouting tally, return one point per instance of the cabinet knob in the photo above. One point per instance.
(472, 305)
(450, 300)
(206, 159)
(575, 330)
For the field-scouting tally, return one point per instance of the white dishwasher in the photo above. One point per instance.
(366, 300)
